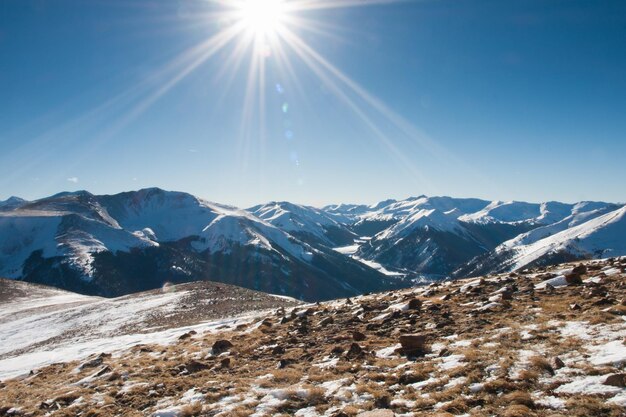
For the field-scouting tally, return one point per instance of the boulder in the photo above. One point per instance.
(187, 335)
(354, 351)
(278, 350)
(557, 363)
(195, 366)
(412, 342)
(326, 321)
(616, 380)
(358, 336)
(573, 279)
(221, 346)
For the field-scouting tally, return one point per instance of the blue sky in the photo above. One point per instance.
(521, 99)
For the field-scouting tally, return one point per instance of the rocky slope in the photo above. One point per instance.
(543, 342)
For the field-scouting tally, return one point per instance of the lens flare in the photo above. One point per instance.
(262, 18)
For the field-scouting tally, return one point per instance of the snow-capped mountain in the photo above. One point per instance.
(307, 223)
(128, 242)
(585, 234)
(437, 235)
(134, 241)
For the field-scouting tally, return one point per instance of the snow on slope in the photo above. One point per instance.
(296, 218)
(602, 236)
(243, 229)
(518, 211)
(170, 215)
(581, 212)
(423, 219)
(58, 234)
(401, 209)
(51, 326)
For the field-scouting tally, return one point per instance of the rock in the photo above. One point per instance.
(221, 346)
(337, 350)
(225, 363)
(358, 336)
(105, 369)
(575, 307)
(90, 364)
(278, 350)
(283, 363)
(445, 297)
(266, 323)
(604, 301)
(616, 380)
(413, 342)
(506, 295)
(195, 366)
(573, 279)
(409, 378)
(580, 269)
(376, 413)
(415, 304)
(187, 335)
(383, 401)
(557, 363)
(326, 321)
(355, 350)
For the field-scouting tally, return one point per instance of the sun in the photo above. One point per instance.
(262, 18)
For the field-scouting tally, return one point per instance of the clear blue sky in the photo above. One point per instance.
(519, 99)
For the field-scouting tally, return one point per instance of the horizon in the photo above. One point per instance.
(319, 102)
(417, 196)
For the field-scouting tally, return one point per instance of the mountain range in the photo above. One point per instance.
(110, 245)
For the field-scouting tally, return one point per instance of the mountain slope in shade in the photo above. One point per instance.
(12, 203)
(129, 242)
(600, 236)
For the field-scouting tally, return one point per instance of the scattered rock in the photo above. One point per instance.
(557, 363)
(278, 350)
(616, 380)
(326, 321)
(415, 304)
(195, 366)
(187, 335)
(573, 279)
(358, 336)
(413, 343)
(221, 346)
(354, 351)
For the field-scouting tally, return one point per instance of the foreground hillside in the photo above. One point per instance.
(41, 325)
(546, 342)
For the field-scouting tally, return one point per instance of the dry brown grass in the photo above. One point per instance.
(517, 411)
